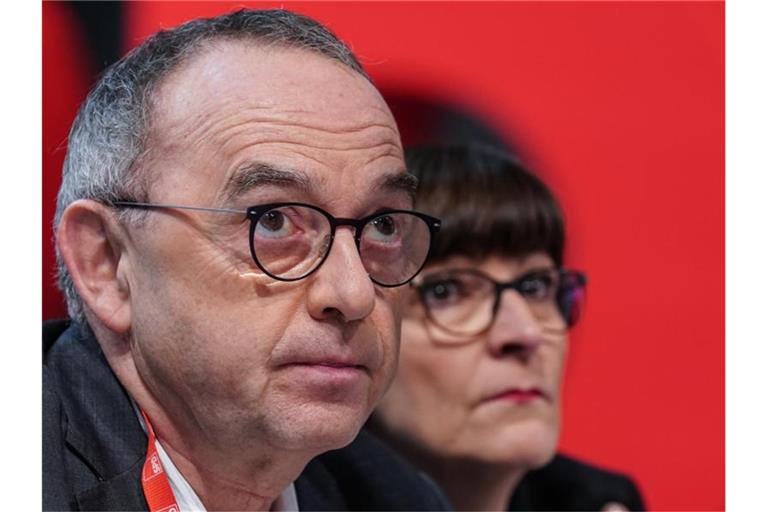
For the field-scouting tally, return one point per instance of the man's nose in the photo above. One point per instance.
(341, 287)
(515, 329)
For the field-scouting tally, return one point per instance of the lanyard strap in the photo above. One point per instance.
(154, 481)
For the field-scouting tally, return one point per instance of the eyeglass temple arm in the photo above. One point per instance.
(132, 204)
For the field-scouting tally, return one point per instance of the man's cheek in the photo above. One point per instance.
(395, 301)
(389, 319)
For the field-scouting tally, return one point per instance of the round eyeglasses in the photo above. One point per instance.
(465, 302)
(289, 241)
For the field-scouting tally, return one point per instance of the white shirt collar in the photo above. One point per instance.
(186, 497)
(188, 501)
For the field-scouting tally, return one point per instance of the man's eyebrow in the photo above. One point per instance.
(400, 182)
(255, 174)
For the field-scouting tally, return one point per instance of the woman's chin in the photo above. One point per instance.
(529, 445)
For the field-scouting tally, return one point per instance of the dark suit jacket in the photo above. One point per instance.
(567, 484)
(94, 446)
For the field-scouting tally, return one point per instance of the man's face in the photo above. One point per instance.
(297, 365)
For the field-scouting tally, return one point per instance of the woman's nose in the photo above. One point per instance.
(515, 329)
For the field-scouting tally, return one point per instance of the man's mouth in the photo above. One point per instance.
(328, 361)
(328, 380)
(329, 366)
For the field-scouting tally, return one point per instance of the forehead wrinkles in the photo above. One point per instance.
(258, 126)
(231, 135)
(285, 108)
(233, 129)
(281, 92)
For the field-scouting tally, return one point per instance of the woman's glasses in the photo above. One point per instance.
(465, 302)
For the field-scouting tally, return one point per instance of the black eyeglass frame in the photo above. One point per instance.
(516, 285)
(254, 214)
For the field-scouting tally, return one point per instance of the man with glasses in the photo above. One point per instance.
(233, 228)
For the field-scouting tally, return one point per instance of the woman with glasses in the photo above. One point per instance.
(476, 400)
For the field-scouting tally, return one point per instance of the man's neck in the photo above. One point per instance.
(226, 471)
(217, 493)
(243, 477)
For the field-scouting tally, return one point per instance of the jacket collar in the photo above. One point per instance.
(101, 425)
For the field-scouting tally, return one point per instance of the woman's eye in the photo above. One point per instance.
(442, 293)
(274, 224)
(537, 286)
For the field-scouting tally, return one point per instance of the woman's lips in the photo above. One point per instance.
(518, 395)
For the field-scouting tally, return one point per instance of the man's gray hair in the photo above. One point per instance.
(109, 135)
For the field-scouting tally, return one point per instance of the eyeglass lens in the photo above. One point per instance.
(464, 302)
(570, 296)
(290, 242)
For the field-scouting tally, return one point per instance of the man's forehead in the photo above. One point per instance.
(237, 109)
(253, 75)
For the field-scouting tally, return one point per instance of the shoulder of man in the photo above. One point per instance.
(93, 444)
(566, 483)
(366, 475)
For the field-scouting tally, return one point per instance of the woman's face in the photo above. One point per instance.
(492, 397)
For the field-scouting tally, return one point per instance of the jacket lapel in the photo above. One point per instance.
(101, 426)
(121, 492)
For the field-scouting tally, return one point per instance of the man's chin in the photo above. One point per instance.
(323, 384)
(322, 427)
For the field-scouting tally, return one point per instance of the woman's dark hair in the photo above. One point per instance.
(487, 201)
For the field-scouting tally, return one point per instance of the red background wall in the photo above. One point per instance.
(620, 107)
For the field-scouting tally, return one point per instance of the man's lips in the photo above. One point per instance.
(328, 364)
(328, 376)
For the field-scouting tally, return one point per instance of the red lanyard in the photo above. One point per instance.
(154, 481)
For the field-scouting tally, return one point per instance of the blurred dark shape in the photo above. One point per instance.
(102, 29)
(424, 120)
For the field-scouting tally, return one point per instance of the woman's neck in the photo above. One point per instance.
(468, 483)
(473, 485)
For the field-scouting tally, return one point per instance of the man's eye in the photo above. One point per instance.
(537, 287)
(385, 228)
(274, 224)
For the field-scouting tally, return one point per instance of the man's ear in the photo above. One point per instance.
(90, 241)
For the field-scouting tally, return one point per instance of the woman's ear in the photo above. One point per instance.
(91, 243)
